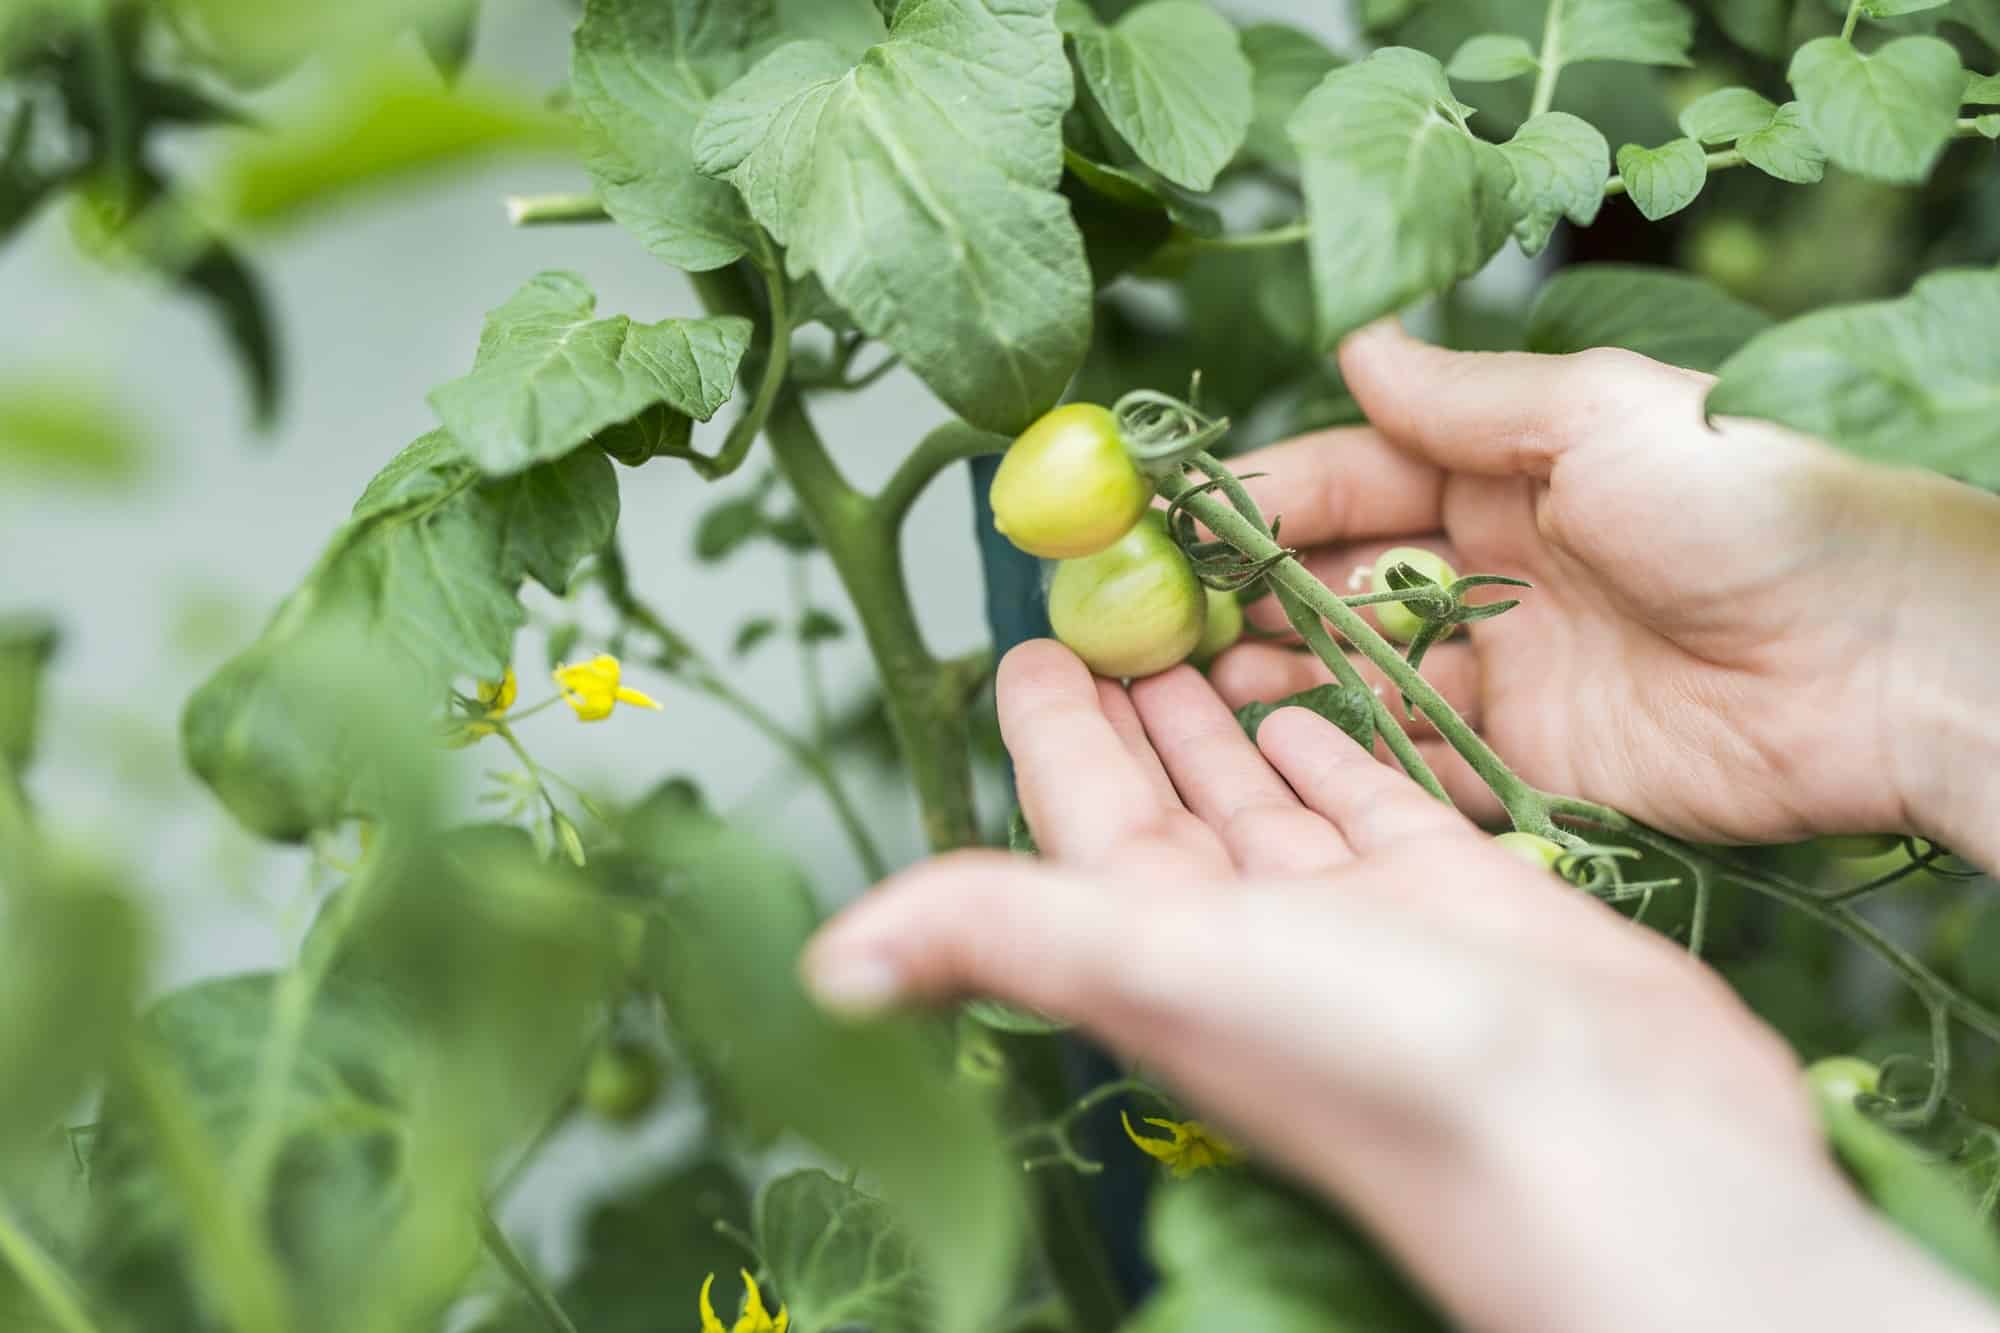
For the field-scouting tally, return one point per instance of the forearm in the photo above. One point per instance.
(1947, 646)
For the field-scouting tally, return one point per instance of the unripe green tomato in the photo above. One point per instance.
(1224, 628)
(1861, 846)
(1730, 252)
(1532, 848)
(1067, 488)
(1398, 621)
(1132, 610)
(1842, 1078)
(622, 1082)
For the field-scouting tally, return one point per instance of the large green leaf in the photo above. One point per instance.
(1172, 79)
(919, 186)
(1403, 199)
(1350, 708)
(1639, 32)
(730, 917)
(1241, 1252)
(549, 376)
(1560, 164)
(1285, 65)
(421, 584)
(1669, 316)
(1726, 114)
(1664, 180)
(360, 1219)
(1785, 148)
(1886, 115)
(838, 1256)
(642, 72)
(1915, 380)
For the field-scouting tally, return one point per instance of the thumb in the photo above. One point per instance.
(1506, 413)
(986, 923)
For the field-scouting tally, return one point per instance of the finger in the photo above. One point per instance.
(1080, 787)
(1228, 785)
(1505, 413)
(1124, 720)
(1468, 791)
(1373, 806)
(1343, 485)
(1266, 673)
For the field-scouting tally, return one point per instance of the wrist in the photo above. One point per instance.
(1945, 755)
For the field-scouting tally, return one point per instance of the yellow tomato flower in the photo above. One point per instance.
(1192, 1146)
(755, 1318)
(592, 688)
(498, 695)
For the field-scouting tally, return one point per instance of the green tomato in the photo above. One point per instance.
(1132, 610)
(1225, 627)
(1531, 847)
(1398, 621)
(622, 1082)
(1842, 1078)
(1067, 488)
(1862, 846)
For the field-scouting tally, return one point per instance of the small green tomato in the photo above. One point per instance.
(1398, 621)
(622, 1082)
(1225, 627)
(1861, 846)
(1532, 848)
(1067, 488)
(1842, 1078)
(1132, 610)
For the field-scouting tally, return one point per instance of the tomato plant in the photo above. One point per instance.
(1025, 207)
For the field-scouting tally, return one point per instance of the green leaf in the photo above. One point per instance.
(1239, 1251)
(72, 959)
(360, 1220)
(1560, 164)
(220, 277)
(642, 72)
(1672, 317)
(422, 584)
(548, 376)
(27, 643)
(1403, 200)
(1664, 180)
(729, 920)
(1140, 189)
(920, 187)
(751, 633)
(838, 1257)
(1888, 9)
(1172, 79)
(1988, 126)
(1492, 58)
(368, 134)
(1286, 63)
(1349, 708)
(1983, 90)
(1886, 115)
(818, 626)
(1915, 380)
(1762, 26)
(1916, 1196)
(657, 432)
(1786, 148)
(1726, 115)
(1639, 32)
(447, 36)
(69, 428)
(725, 527)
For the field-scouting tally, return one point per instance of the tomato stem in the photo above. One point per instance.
(41, 1275)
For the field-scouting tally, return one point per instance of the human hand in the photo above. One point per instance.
(1736, 633)
(1556, 1120)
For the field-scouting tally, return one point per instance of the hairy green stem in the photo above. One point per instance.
(775, 344)
(1548, 66)
(1926, 1111)
(525, 1278)
(1072, 1243)
(1525, 806)
(1967, 128)
(43, 1278)
(954, 442)
(536, 210)
(1853, 18)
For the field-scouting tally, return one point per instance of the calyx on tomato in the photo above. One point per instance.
(1398, 620)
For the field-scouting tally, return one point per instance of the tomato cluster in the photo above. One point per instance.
(1123, 597)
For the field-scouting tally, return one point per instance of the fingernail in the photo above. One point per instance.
(863, 987)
